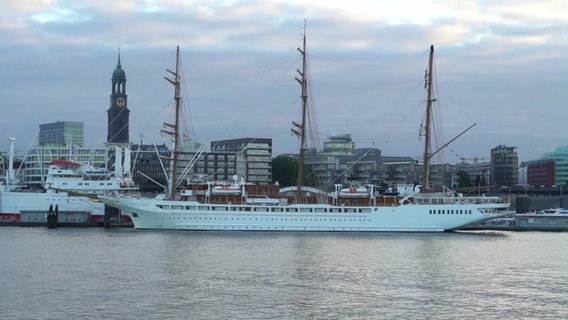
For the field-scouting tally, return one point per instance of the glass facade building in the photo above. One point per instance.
(62, 133)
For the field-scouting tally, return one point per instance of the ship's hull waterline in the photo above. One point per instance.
(181, 215)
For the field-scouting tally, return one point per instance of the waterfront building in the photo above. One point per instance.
(560, 158)
(61, 133)
(504, 166)
(339, 144)
(58, 140)
(340, 162)
(36, 162)
(478, 172)
(523, 174)
(198, 163)
(400, 170)
(252, 158)
(406, 170)
(550, 170)
(541, 173)
(148, 163)
(442, 175)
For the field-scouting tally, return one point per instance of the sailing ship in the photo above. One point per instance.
(264, 208)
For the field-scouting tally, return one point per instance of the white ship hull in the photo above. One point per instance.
(189, 215)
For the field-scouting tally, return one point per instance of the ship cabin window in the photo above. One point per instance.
(305, 210)
(203, 208)
(177, 207)
(319, 209)
(292, 209)
(349, 210)
(190, 207)
(276, 209)
(261, 209)
(223, 208)
(365, 210)
(335, 210)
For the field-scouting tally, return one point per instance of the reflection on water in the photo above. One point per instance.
(133, 274)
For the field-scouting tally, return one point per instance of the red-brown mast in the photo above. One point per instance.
(300, 129)
(427, 126)
(175, 127)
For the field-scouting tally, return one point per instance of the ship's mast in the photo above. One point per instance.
(428, 152)
(427, 126)
(175, 127)
(300, 129)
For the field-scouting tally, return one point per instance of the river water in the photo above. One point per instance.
(121, 273)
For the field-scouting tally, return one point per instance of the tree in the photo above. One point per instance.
(477, 180)
(285, 171)
(463, 180)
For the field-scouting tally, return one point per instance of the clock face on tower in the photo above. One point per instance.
(120, 102)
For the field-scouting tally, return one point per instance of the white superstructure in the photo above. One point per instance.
(66, 183)
(435, 213)
(64, 175)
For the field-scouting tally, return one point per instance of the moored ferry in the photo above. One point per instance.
(69, 187)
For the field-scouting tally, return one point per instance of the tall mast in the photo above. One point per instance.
(300, 129)
(427, 127)
(175, 127)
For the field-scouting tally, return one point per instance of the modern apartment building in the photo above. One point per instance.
(504, 166)
(252, 156)
(62, 133)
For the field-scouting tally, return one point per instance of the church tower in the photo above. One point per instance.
(118, 113)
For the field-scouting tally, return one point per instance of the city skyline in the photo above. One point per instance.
(501, 66)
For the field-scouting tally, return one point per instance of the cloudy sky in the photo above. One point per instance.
(500, 64)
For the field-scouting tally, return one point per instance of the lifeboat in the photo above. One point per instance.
(354, 192)
(227, 189)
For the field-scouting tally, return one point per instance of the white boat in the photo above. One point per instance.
(226, 189)
(233, 188)
(79, 178)
(69, 186)
(354, 192)
(552, 211)
(418, 211)
(551, 219)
